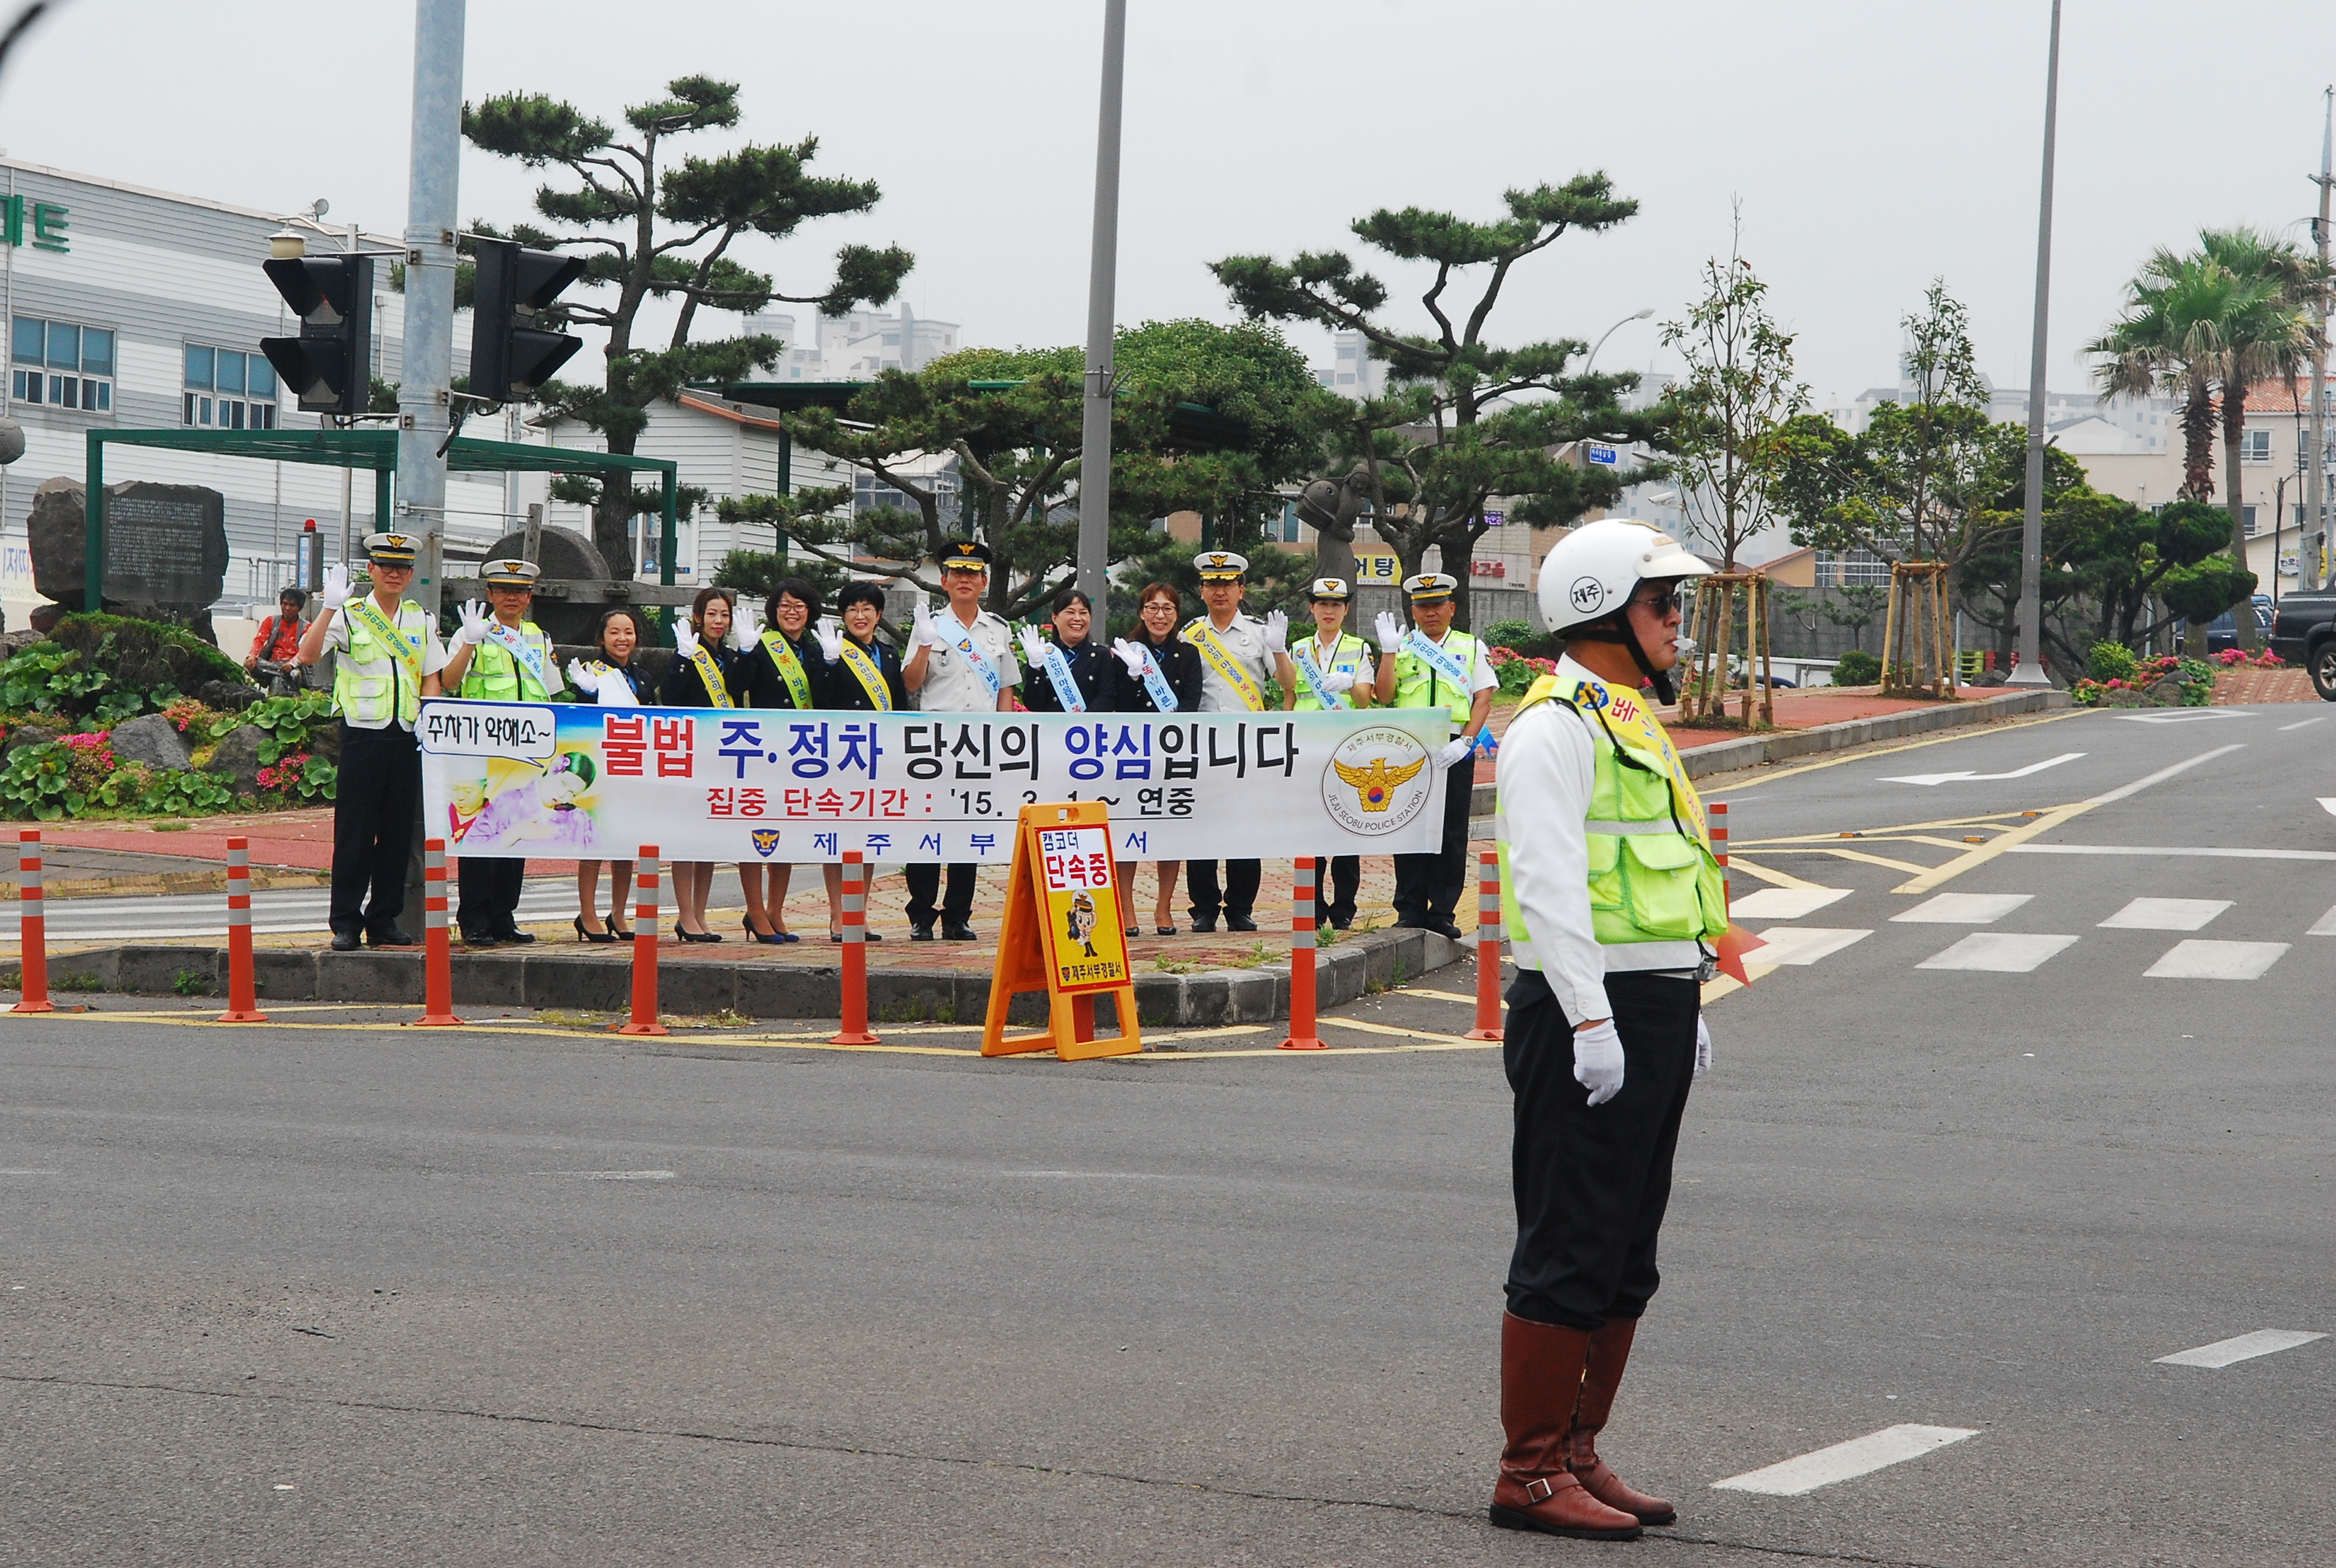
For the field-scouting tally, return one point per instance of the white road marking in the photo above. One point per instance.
(2209, 852)
(2328, 804)
(1786, 903)
(2244, 1348)
(2325, 926)
(1804, 944)
(1963, 909)
(2199, 959)
(2185, 715)
(613, 1175)
(1967, 777)
(2162, 775)
(2299, 724)
(2165, 915)
(1846, 1461)
(1998, 953)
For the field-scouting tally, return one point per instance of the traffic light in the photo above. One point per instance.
(511, 356)
(329, 367)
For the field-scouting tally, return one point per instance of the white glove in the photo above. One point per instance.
(831, 641)
(1034, 646)
(685, 640)
(1389, 631)
(582, 678)
(1277, 629)
(923, 635)
(472, 631)
(1131, 655)
(1597, 1061)
(935, 635)
(336, 591)
(742, 626)
(1335, 681)
(1454, 750)
(1702, 1047)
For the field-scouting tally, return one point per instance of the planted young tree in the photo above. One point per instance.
(655, 229)
(1464, 420)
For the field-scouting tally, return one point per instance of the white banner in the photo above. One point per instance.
(784, 785)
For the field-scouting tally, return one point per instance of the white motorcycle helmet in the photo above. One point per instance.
(1591, 574)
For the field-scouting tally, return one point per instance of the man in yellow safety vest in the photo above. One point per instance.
(1433, 665)
(1613, 901)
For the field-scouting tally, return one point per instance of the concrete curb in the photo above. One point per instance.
(556, 977)
(1781, 745)
(164, 884)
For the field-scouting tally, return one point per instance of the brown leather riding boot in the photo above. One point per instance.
(1541, 1386)
(1610, 1350)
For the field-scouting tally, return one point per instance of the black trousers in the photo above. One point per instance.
(1339, 876)
(1427, 888)
(1592, 1183)
(1237, 897)
(925, 880)
(491, 891)
(372, 826)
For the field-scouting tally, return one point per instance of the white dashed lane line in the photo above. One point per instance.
(2230, 1352)
(1846, 1461)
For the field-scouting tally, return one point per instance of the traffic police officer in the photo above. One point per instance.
(501, 658)
(1432, 666)
(1334, 671)
(1239, 654)
(385, 650)
(963, 662)
(1612, 899)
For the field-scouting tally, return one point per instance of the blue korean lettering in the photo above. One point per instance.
(742, 738)
(860, 749)
(1134, 751)
(810, 749)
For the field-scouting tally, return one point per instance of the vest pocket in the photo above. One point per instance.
(1606, 891)
(1658, 876)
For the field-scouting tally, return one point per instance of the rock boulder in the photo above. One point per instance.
(154, 741)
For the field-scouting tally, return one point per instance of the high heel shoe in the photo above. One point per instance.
(585, 936)
(618, 933)
(696, 936)
(775, 939)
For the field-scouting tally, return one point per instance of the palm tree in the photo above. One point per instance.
(2171, 338)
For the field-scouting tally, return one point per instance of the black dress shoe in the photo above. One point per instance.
(469, 941)
(1240, 923)
(919, 931)
(345, 941)
(389, 937)
(957, 932)
(1447, 929)
(514, 936)
(1207, 924)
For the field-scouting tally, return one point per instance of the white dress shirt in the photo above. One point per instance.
(1245, 639)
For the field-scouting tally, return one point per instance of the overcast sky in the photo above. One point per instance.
(1874, 145)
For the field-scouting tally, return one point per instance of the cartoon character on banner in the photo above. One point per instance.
(466, 793)
(551, 810)
(1079, 922)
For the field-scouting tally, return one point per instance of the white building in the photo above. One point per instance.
(1352, 372)
(855, 347)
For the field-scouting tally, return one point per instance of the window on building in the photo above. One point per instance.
(1858, 566)
(1290, 526)
(892, 340)
(2254, 446)
(2247, 520)
(226, 389)
(62, 364)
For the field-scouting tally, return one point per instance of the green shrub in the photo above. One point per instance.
(1519, 637)
(1856, 668)
(289, 721)
(38, 783)
(101, 669)
(191, 983)
(2110, 661)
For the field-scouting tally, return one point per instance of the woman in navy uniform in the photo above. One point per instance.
(614, 679)
(1156, 657)
(783, 670)
(862, 675)
(703, 641)
(1094, 674)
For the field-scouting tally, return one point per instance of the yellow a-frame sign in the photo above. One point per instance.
(1063, 936)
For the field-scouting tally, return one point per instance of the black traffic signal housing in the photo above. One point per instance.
(329, 367)
(511, 356)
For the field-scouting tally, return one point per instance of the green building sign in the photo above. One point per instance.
(49, 225)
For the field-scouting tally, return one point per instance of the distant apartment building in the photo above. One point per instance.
(2145, 422)
(857, 347)
(1352, 372)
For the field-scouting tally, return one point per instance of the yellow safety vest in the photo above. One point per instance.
(496, 675)
(1652, 876)
(1352, 654)
(1418, 683)
(370, 683)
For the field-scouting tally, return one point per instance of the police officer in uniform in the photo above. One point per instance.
(384, 649)
(1239, 654)
(1432, 666)
(1334, 671)
(499, 657)
(1612, 900)
(962, 661)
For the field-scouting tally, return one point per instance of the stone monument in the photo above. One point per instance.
(166, 551)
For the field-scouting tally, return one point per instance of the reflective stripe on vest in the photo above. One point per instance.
(1418, 684)
(1649, 882)
(496, 676)
(366, 673)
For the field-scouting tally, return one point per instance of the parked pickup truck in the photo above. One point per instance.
(2304, 632)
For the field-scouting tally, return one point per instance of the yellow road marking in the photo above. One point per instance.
(1985, 852)
(1423, 991)
(1774, 879)
(1720, 986)
(1858, 754)
(1858, 855)
(1432, 1043)
(1396, 1031)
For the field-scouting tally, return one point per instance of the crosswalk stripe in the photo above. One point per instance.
(1804, 945)
(2166, 914)
(1998, 953)
(2242, 1348)
(1785, 903)
(2199, 959)
(1963, 909)
(2325, 926)
(1846, 1461)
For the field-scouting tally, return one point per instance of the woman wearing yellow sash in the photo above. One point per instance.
(862, 675)
(707, 673)
(783, 670)
(1160, 673)
(613, 679)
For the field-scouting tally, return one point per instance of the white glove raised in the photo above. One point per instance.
(936, 634)
(1034, 646)
(1131, 655)
(831, 641)
(742, 629)
(336, 591)
(1702, 1047)
(472, 629)
(685, 640)
(1598, 1060)
(582, 677)
(1277, 629)
(922, 635)
(1454, 750)
(1388, 630)
(1335, 681)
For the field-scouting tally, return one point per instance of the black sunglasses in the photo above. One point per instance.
(1661, 600)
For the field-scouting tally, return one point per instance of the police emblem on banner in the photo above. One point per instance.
(766, 840)
(1377, 781)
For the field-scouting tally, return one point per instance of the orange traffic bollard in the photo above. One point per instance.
(31, 927)
(437, 958)
(242, 994)
(855, 954)
(1304, 1033)
(1488, 948)
(644, 1020)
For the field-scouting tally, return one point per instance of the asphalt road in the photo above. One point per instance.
(317, 1293)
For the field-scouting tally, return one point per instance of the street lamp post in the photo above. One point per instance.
(1094, 427)
(1634, 316)
(2029, 670)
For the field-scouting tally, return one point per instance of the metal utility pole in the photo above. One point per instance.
(2029, 671)
(1103, 275)
(2313, 542)
(424, 402)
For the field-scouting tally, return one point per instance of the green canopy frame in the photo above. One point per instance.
(374, 448)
